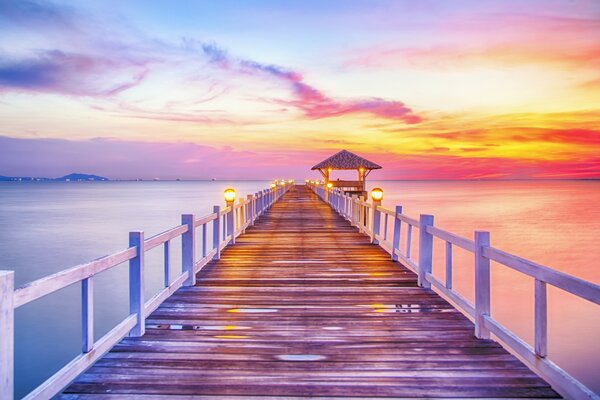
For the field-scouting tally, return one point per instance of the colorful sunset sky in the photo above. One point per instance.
(266, 89)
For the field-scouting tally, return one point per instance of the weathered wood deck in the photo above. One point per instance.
(303, 305)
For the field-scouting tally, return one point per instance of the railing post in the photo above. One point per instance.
(376, 226)
(541, 319)
(255, 205)
(230, 221)
(7, 336)
(217, 232)
(425, 250)
(482, 284)
(353, 210)
(249, 211)
(136, 283)
(87, 314)
(188, 249)
(448, 265)
(396, 234)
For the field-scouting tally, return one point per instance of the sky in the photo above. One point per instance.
(260, 89)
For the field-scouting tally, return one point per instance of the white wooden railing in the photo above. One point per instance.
(227, 224)
(372, 219)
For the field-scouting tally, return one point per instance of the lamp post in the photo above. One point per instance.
(230, 196)
(376, 197)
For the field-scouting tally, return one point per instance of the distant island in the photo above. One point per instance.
(74, 177)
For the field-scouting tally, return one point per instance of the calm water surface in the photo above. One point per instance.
(46, 227)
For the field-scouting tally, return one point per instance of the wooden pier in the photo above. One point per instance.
(302, 305)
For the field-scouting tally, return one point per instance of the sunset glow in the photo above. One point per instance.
(248, 89)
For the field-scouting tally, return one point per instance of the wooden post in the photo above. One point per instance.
(217, 233)
(541, 319)
(482, 284)
(354, 218)
(167, 262)
(87, 314)
(188, 249)
(230, 221)
(361, 214)
(448, 265)
(376, 225)
(425, 250)
(136, 283)
(249, 210)
(396, 236)
(7, 334)
(408, 240)
(204, 241)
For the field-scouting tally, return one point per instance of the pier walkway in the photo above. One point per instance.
(304, 305)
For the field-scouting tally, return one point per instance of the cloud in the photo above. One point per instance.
(71, 74)
(498, 39)
(311, 101)
(128, 159)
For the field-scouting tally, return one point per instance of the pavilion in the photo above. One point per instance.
(345, 160)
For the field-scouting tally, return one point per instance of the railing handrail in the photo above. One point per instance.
(228, 223)
(368, 220)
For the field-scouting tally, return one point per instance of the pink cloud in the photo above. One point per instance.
(69, 73)
(311, 101)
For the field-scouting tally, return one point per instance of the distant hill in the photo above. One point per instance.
(74, 177)
(81, 177)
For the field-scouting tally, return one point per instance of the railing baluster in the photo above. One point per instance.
(204, 241)
(397, 230)
(425, 250)
(188, 249)
(217, 233)
(482, 284)
(136, 283)
(167, 262)
(385, 227)
(87, 314)
(376, 221)
(7, 338)
(448, 265)
(408, 240)
(541, 319)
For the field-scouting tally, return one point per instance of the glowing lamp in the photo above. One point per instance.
(290, 181)
(273, 185)
(229, 195)
(282, 183)
(329, 185)
(377, 194)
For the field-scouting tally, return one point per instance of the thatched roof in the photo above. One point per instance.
(346, 160)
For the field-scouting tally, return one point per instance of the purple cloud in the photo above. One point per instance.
(311, 101)
(72, 74)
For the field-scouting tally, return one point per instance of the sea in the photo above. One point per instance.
(46, 227)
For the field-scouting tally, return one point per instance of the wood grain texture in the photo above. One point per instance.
(304, 306)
